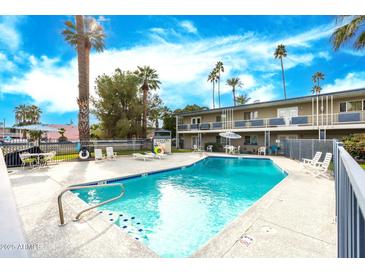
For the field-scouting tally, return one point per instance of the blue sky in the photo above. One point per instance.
(37, 66)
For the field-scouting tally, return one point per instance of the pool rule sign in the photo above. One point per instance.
(162, 141)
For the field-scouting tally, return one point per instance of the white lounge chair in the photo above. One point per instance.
(156, 155)
(261, 150)
(312, 162)
(99, 155)
(110, 154)
(321, 167)
(144, 157)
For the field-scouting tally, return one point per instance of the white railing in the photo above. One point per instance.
(343, 118)
(12, 239)
(350, 204)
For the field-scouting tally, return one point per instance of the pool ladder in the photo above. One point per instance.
(76, 187)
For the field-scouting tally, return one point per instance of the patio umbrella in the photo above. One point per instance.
(230, 135)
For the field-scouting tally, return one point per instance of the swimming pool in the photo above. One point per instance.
(176, 212)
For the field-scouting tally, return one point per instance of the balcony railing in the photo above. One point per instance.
(303, 120)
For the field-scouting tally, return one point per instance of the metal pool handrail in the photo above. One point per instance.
(75, 187)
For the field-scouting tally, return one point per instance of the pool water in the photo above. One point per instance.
(176, 212)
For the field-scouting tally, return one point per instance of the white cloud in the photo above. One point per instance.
(10, 37)
(352, 80)
(182, 66)
(188, 26)
(6, 64)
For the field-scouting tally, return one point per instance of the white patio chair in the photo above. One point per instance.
(26, 159)
(261, 151)
(237, 150)
(210, 148)
(312, 162)
(48, 157)
(110, 154)
(321, 167)
(99, 155)
(144, 157)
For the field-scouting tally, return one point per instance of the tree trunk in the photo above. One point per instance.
(234, 96)
(83, 68)
(219, 90)
(144, 118)
(282, 70)
(213, 95)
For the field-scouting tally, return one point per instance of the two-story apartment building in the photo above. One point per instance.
(324, 116)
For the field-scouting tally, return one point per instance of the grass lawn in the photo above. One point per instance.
(362, 165)
(74, 156)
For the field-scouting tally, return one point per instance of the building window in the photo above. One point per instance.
(219, 140)
(195, 120)
(352, 106)
(250, 140)
(250, 115)
(218, 118)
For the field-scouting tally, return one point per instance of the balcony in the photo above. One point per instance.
(305, 122)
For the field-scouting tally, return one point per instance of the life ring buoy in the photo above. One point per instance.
(84, 154)
(158, 150)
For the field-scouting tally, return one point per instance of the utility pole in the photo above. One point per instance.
(3, 129)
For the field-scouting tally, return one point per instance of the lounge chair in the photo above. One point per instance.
(144, 157)
(321, 167)
(99, 155)
(110, 154)
(261, 150)
(312, 162)
(156, 155)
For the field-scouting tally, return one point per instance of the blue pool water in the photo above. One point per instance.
(176, 212)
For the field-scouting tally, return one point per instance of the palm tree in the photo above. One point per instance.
(218, 69)
(316, 89)
(149, 80)
(280, 53)
(84, 36)
(234, 82)
(212, 78)
(21, 114)
(34, 114)
(27, 115)
(352, 31)
(242, 99)
(316, 77)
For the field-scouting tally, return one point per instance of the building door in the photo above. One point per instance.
(195, 120)
(196, 141)
(287, 113)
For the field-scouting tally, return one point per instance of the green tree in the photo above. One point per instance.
(62, 138)
(27, 115)
(84, 36)
(118, 105)
(242, 99)
(148, 80)
(156, 109)
(352, 32)
(234, 82)
(219, 68)
(280, 53)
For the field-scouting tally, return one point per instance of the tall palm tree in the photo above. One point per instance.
(84, 36)
(242, 99)
(234, 82)
(280, 53)
(316, 77)
(149, 80)
(350, 32)
(316, 89)
(219, 68)
(21, 114)
(212, 78)
(34, 114)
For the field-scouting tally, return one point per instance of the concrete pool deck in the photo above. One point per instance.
(295, 219)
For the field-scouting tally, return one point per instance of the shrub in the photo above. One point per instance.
(216, 147)
(355, 145)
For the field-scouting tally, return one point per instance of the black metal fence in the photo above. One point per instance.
(305, 148)
(68, 151)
